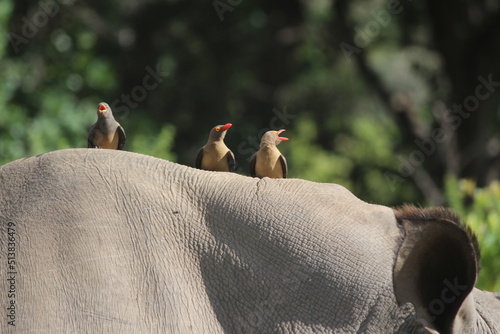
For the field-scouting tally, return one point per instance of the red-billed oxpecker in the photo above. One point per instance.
(268, 160)
(106, 132)
(215, 155)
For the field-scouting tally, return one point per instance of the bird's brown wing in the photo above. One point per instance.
(121, 137)
(90, 138)
(230, 161)
(284, 166)
(199, 158)
(253, 161)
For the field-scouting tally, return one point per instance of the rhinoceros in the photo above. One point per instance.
(105, 241)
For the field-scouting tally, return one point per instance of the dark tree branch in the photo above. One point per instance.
(469, 50)
(399, 106)
(451, 149)
(427, 186)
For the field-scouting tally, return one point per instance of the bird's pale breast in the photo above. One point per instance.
(107, 140)
(268, 164)
(214, 158)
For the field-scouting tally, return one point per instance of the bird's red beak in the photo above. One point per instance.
(225, 127)
(102, 108)
(281, 138)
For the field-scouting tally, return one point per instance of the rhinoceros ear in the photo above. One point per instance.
(436, 268)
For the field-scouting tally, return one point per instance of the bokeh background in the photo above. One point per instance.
(399, 101)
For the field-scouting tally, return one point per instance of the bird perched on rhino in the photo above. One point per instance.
(215, 155)
(106, 132)
(268, 160)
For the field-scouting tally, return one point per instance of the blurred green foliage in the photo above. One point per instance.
(480, 209)
(350, 118)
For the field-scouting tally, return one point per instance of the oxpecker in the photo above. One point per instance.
(106, 132)
(215, 155)
(268, 160)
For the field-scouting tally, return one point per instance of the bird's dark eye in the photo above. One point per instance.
(217, 129)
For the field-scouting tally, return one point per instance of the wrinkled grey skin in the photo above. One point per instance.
(116, 242)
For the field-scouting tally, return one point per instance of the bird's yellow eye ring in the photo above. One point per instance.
(217, 128)
(275, 133)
